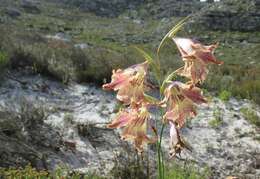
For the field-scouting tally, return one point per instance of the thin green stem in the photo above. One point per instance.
(159, 160)
(160, 146)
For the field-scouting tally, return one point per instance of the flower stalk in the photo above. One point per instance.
(177, 102)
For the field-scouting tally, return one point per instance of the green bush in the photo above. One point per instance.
(224, 95)
(217, 119)
(251, 116)
(4, 61)
(188, 171)
(31, 173)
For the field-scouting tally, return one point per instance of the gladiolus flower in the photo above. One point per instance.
(177, 91)
(194, 69)
(135, 122)
(136, 129)
(129, 83)
(196, 57)
(121, 119)
(180, 112)
(193, 49)
(180, 99)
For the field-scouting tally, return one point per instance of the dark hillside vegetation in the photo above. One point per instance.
(71, 41)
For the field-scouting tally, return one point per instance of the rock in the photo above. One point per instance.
(169, 8)
(104, 8)
(30, 6)
(235, 15)
(69, 126)
(60, 36)
(13, 12)
(81, 46)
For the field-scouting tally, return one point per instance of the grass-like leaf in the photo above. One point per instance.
(151, 99)
(172, 32)
(152, 62)
(168, 79)
(145, 55)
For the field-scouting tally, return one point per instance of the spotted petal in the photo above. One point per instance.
(136, 130)
(180, 112)
(121, 119)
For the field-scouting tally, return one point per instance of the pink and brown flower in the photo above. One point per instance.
(134, 121)
(196, 57)
(129, 83)
(136, 130)
(180, 100)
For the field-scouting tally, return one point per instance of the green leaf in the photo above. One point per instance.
(154, 65)
(168, 79)
(151, 99)
(172, 32)
(145, 55)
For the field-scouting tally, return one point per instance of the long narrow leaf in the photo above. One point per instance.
(172, 32)
(155, 67)
(145, 55)
(151, 99)
(168, 79)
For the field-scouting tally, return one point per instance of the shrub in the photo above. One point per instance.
(224, 95)
(187, 171)
(4, 61)
(251, 116)
(217, 120)
(31, 173)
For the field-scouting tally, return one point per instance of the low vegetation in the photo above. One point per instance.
(31, 173)
(217, 120)
(224, 95)
(251, 116)
(109, 45)
(186, 171)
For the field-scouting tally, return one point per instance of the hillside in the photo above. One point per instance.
(33, 31)
(55, 54)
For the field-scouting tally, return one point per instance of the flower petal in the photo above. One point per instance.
(195, 70)
(129, 83)
(180, 112)
(136, 130)
(190, 48)
(121, 119)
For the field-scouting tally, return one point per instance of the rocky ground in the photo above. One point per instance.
(49, 124)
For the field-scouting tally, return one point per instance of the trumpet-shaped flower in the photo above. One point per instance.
(178, 91)
(180, 112)
(193, 49)
(180, 99)
(121, 119)
(135, 122)
(136, 130)
(196, 57)
(129, 83)
(194, 69)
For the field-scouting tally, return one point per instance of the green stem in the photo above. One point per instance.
(161, 152)
(159, 160)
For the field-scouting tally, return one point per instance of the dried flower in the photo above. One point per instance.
(176, 143)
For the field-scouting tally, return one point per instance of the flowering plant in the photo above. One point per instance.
(178, 100)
